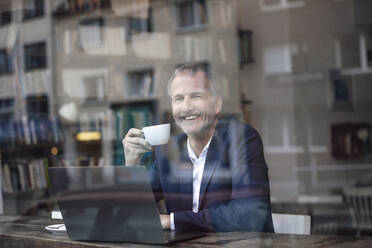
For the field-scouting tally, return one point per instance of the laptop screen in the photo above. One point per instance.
(110, 203)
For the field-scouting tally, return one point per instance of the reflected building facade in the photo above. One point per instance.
(114, 60)
(76, 75)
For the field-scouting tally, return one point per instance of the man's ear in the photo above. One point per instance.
(218, 106)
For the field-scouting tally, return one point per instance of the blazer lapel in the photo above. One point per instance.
(211, 163)
(185, 169)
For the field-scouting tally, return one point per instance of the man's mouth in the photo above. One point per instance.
(191, 117)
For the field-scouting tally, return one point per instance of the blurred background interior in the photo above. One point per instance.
(75, 75)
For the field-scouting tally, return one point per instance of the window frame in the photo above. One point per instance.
(146, 24)
(246, 49)
(27, 65)
(5, 21)
(197, 23)
(7, 108)
(98, 88)
(37, 107)
(37, 11)
(146, 91)
(97, 22)
(8, 62)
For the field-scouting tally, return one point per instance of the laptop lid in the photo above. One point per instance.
(109, 203)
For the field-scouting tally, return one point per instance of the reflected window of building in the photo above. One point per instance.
(35, 56)
(5, 18)
(33, 9)
(7, 124)
(140, 23)
(6, 62)
(140, 83)
(94, 88)
(7, 110)
(91, 32)
(246, 53)
(191, 13)
(37, 107)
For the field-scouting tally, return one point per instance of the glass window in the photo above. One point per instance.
(91, 32)
(295, 78)
(246, 49)
(37, 107)
(5, 18)
(191, 13)
(33, 9)
(140, 83)
(94, 88)
(7, 110)
(6, 62)
(35, 56)
(140, 23)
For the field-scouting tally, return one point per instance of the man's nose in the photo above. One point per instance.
(186, 104)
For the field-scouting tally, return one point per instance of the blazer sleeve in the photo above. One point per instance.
(248, 207)
(155, 178)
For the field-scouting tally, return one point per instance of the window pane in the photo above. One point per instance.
(35, 56)
(186, 14)
(202, 6)
(90, 32)
(298, 72)
(33, 9)
(6, 17)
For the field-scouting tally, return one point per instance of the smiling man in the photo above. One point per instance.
(214, 176)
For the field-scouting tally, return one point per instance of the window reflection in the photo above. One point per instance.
(299, 71)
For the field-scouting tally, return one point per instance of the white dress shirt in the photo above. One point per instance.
(197, 175)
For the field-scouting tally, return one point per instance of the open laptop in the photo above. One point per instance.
(110, 204)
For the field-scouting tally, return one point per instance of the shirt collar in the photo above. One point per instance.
(192, 154)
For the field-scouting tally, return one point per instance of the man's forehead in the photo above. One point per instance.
(188, 80)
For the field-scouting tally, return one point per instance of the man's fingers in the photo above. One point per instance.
(137, 141)
(138, 147)
(134, 132)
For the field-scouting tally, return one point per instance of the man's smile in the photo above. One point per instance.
(191, 117)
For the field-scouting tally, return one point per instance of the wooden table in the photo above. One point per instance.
(29, 232)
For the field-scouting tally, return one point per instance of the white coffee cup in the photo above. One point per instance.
(157, 135)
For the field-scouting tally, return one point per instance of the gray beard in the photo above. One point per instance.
(202, 131)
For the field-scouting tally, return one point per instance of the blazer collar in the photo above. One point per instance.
(213, 159)
(211, 162)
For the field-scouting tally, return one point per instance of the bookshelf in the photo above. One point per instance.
(132, 114)
(27, 148)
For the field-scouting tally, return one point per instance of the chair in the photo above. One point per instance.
(360, 204)
(291, 223)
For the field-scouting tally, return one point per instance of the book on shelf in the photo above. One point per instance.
(7, 186)
(31, 132)
(15, 179)
(21, 177)
(26, 130)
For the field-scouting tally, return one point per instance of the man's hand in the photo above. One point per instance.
(135, 146)
(165, 221)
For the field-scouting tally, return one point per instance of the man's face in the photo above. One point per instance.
(194, 107)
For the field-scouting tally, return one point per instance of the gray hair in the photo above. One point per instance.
(191, 69)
